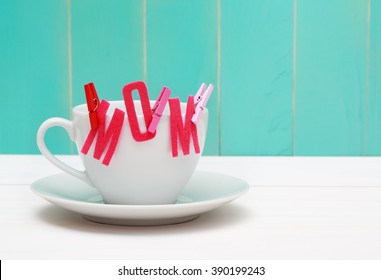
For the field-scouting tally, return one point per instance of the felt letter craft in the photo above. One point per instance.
(105, 136)
(131, 112)
(181, 131)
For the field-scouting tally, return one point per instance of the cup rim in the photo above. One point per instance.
(81, 109)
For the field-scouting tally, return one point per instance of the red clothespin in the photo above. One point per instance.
(92, 104)
(158, 108)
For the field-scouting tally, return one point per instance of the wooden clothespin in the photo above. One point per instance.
(158, 108)
(92, 104)
(200, 92)
(202, 98)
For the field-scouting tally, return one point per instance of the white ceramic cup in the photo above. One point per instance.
(139, 172)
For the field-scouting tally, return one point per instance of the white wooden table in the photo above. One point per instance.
(296, 208)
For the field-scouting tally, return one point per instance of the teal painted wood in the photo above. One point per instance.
(330, 97)
(107, 46)
(182, 53)
(33, 73)
(374, 79)
(256, 77)
(337, 68)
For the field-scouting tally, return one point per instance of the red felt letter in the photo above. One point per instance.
(181, 131)
(131, 112)
(104, 137)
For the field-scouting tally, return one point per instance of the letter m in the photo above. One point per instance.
(106, 137)
(182, 131)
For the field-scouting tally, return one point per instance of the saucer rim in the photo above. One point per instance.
(136, 206)
(141, 215)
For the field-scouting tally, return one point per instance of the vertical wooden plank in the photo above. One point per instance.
(107, 40)
(34, 73)
(182, 53)
(330, 105)
(374, 79)
(256, 77)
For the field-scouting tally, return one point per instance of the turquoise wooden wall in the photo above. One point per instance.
(292, 77)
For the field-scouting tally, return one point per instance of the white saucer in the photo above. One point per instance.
(204, 192)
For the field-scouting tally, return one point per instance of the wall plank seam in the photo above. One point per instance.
(219, 75)
(293, 98)
(70, 67)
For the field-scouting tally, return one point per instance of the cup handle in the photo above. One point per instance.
(68, 126)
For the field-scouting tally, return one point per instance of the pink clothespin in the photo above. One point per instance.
(204, 96)
(158, 108)
(199, 93)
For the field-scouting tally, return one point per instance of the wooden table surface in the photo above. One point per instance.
(296, 208)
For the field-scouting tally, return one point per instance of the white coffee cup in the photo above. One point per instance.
(139, 172)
